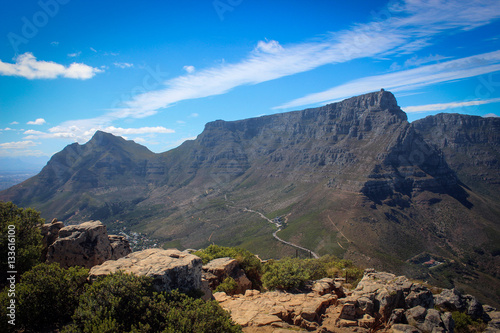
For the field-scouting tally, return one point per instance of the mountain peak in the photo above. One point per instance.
(103, 138)
(375, 101)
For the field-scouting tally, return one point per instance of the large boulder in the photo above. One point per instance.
(450, 300)
(219, 269)
(85, 244)
(170, 269)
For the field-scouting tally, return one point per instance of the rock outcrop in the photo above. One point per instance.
(381, 301)
(86, 244)
(219, 269)
(50, 232)
(170, 269)
(276, 309)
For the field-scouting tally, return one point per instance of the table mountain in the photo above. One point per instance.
(352, 178)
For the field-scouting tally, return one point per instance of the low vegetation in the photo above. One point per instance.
(284, 274)
(465, 324)
(293, 273)
(19, 235)
(53, 298)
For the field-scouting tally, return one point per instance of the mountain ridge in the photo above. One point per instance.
(352, 178)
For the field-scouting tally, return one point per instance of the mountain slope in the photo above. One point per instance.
(353, 179)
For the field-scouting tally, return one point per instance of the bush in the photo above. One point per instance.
(47, 296)
(247, 260)
(127, 303)
(228, 286)
(285, 274)
(465, 324)
(24, 224)
(293, 273)
(115, 301)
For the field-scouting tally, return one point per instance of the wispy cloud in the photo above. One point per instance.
(189, 69)
(76, 54)
(447, 106)
(82, 130)
(407, 79)
(407, 26)
(14, 123)
(18, 144)
(39, 121)
(123, 64)
(27, 66)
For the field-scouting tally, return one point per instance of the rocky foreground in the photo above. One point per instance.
(381, 301)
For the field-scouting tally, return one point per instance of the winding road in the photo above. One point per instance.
(279, 229)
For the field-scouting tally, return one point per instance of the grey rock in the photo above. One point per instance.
(448, 322)
(219, 269)
(450, 300)
(419, 295)
(403, 328)
(474, 307)
(397, 317)
(85, 244)
(416, 316)
(120, 247)
(170, 269)
(50, 232)
(432, 322)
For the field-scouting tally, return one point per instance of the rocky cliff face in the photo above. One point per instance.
(470, 145)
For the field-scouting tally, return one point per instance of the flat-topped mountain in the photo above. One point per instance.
(352, 178)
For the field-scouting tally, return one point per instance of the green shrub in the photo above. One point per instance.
(46, 296)
(247, 260)
(228, 286)
(285, 274)
(117, 300)
(127, 303)
(178, 313)
(24, 224)
(292, 273)
(465, 324)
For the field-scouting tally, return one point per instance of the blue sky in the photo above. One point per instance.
(157, 71)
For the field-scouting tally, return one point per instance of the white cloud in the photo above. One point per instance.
(123, 64)
(82, 130)
(180, 122)
(76, 54)
(38, 121)
(93, 50)
(416, 61)
(189, 69)
(271, 46)
(446, 106)
(140, 130)
(54, 43)
(27, 66)
(18, 144)
(490, 115)
(14, 123)
(194, 115)
(408, 26)
(139, 140)
(407, 79)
